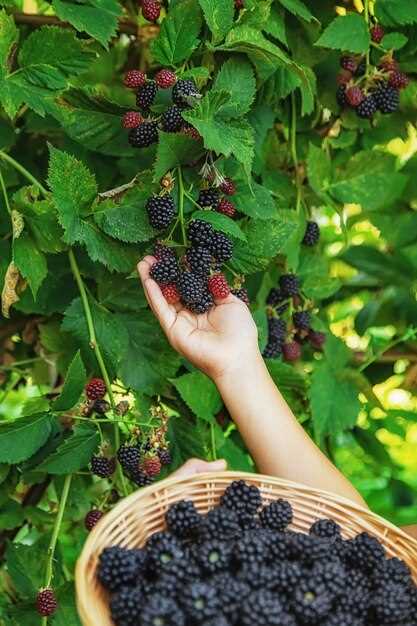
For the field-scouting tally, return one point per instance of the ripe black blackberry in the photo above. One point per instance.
(387, 98)
(361, 67)
(277, 515)
(139, 477)
(191, 287)
(214, 555)
(203, 305)
(343, 618)
(160, 252)
(164, 553)
(208, 197)
(287, 576)
(325, 528)
(126, 606)
(200, 233)
(145, 96)
(311, 601)
(220, 523)
(101, 406)
(165, 456)
(92, 518)
(231, 591)
(249, 549)
(171, 120)
(301, 320)
(277, 328)
(261, 608)
(312, 234)
(341, 95)
(161, 211)
(102, 466)
(118, 567)
(165, 271)
(46, 603)
(333, 575)
(184, 92)
(242, 294)
(307, 548)
(273, 348)
(221, 247)
(365, 551)
(200, 601)
(275, 297)
(161, 611)
(129, 457)
(199, 260)
(218, 620)
(183, 519)
(391, 571)
(367, 107)
(144, 135)
(241, 497)
(392, 604)
(289, 285)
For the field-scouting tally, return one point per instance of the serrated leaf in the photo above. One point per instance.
(21, 438)
(98, 18)
(74, 453)
(67, 614)
(12, 515)
(255, 201)
(346, 32)
(388, 268)
(286, 377)
(275, 26)
(26, 567)
(200, 394)
(126, 218)
(308, 91)
(318, 290)
(237, 78)
(219, 16)
(40, 218)
(173, 150)
(252, 42)
(298, 8)
(319, 169)
(221, 222)
(396, 12)
(394, 41)
(30, 261)
(74, 384)
(9, 36)
(178, 36)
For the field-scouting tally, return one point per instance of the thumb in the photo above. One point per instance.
(198, 466)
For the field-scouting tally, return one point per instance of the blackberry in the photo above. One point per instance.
(164, 553)
(184, 93)
(145, 96)
(161, 211)
(250, 550)
(101, 406)
(139, 477)
(317, 339)
(392, 603)
(231, 591)
(277, 328)
(242, 294)
(258, 576)
(275, 297)
(126, 606)
(348, 63)
(134, 79)
(221, 247)
(203, 305)
(118, 567)
(95, 389)
(391, 571)
(208, 198)
(365, 551)
(341, 95)
(183, 519)
(333, 575)
(214, 555)
(218, 286)
(200, 601)
(301, 320)
(191, 287)
(151, 466)
(325, 528)
(129, 457)
(199, 260)
(200, 233)
(46, 603)
(273, 348)
(170, 293)
(165, 271)
(354, 96)
(241, 497)
(312, 234)
(220, 523)
(218, 620)
(398, 80)
(102, 466)
(171, 119)
(161, 611)
(367, 107)
(361, 67)
(165, 456)
(228, 187)
(289, 285)
(132, 119)
(311, 601)
(287, 576)
(165, 79)
(307, 548)
(92, 518)
(387, 99)
(144, 135)
(276, 515)
(342, 618)
(226, 208)
(161, 252)
(377, 33)
(291, 351)
(262, 608)
(151, 10)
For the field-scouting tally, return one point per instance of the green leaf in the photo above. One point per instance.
(286, 377)
(67, 614)
(200, 394)
(346, 32)
(30, 261)
(188, 438)
(220, 222)
(275, 26)
(394, 41)
(74, 453)
(12, 515)
(219, 16)
(236, 77)
(26, 567)
(298, 8)
(388, 268)
(98, 18)
(179, 32)
(396, 12)
(75, 381)
(255, 201)
(9, 36)
(21, 438)
(319, 169)
(173, 150)
(126, 218)
(308, 91)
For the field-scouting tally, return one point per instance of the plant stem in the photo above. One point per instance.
(6, 197)
(410, 333)
(6, 157)
(366, 15)
(213, 443)
(293, 138)
(181, 204)
(55, 532)
(95, 346)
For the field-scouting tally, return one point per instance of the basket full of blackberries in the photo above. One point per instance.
(233, 549)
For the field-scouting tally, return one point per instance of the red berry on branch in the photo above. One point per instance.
(354, 96)
(398, 80)
(132, 119)
(92, 518)
(165, 79)
(190, 131)
(218, 286)
(228, 187)
(317, 339)
(348, 63)
(170, 293)
(46, 603)
(226, 207)
(151, 466)
(377, 33)
(95, 389)
(239, 4)
(291, 351)
(389, 64)
(134, 79)
(151, 10)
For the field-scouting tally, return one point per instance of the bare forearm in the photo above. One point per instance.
(277, 442)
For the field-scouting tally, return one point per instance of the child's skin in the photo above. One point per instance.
(223, 343)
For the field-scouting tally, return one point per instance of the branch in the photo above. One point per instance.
(125, 26)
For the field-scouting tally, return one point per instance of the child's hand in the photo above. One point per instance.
(216, 342)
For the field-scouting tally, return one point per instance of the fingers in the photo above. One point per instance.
(163, 311)
(198, 466)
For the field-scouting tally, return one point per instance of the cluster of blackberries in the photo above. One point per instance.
(143, 129)
(197, 281)
(376, 90)
(141, 462)
(95, 391)
(212, 199)
(242, 565)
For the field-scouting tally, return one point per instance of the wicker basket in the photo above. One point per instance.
(136, 517)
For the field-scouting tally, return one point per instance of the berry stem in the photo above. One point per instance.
(6, 197)
(213, 442)
(95, 346)
(293, 137)
(410, 333)
(6, 157)
(181, 204)
(366, 15)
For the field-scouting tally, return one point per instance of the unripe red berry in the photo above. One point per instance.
(46, 603)
(218, 286)
(165, 79)
(95, 389)
(354, 96)
(151, 10)
(92, 518)
(226, 207)
(132, 119)
(170, 293)
(228, 187)
(317, 339)
(343, 77)
(377, 33)
(190, 131)
(134, 79)
(291, 351)
(239, 4)
(348, 63)
(398, 80)
(389, 64)
(151, 466)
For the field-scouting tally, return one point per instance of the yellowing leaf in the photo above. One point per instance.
(404, 149)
